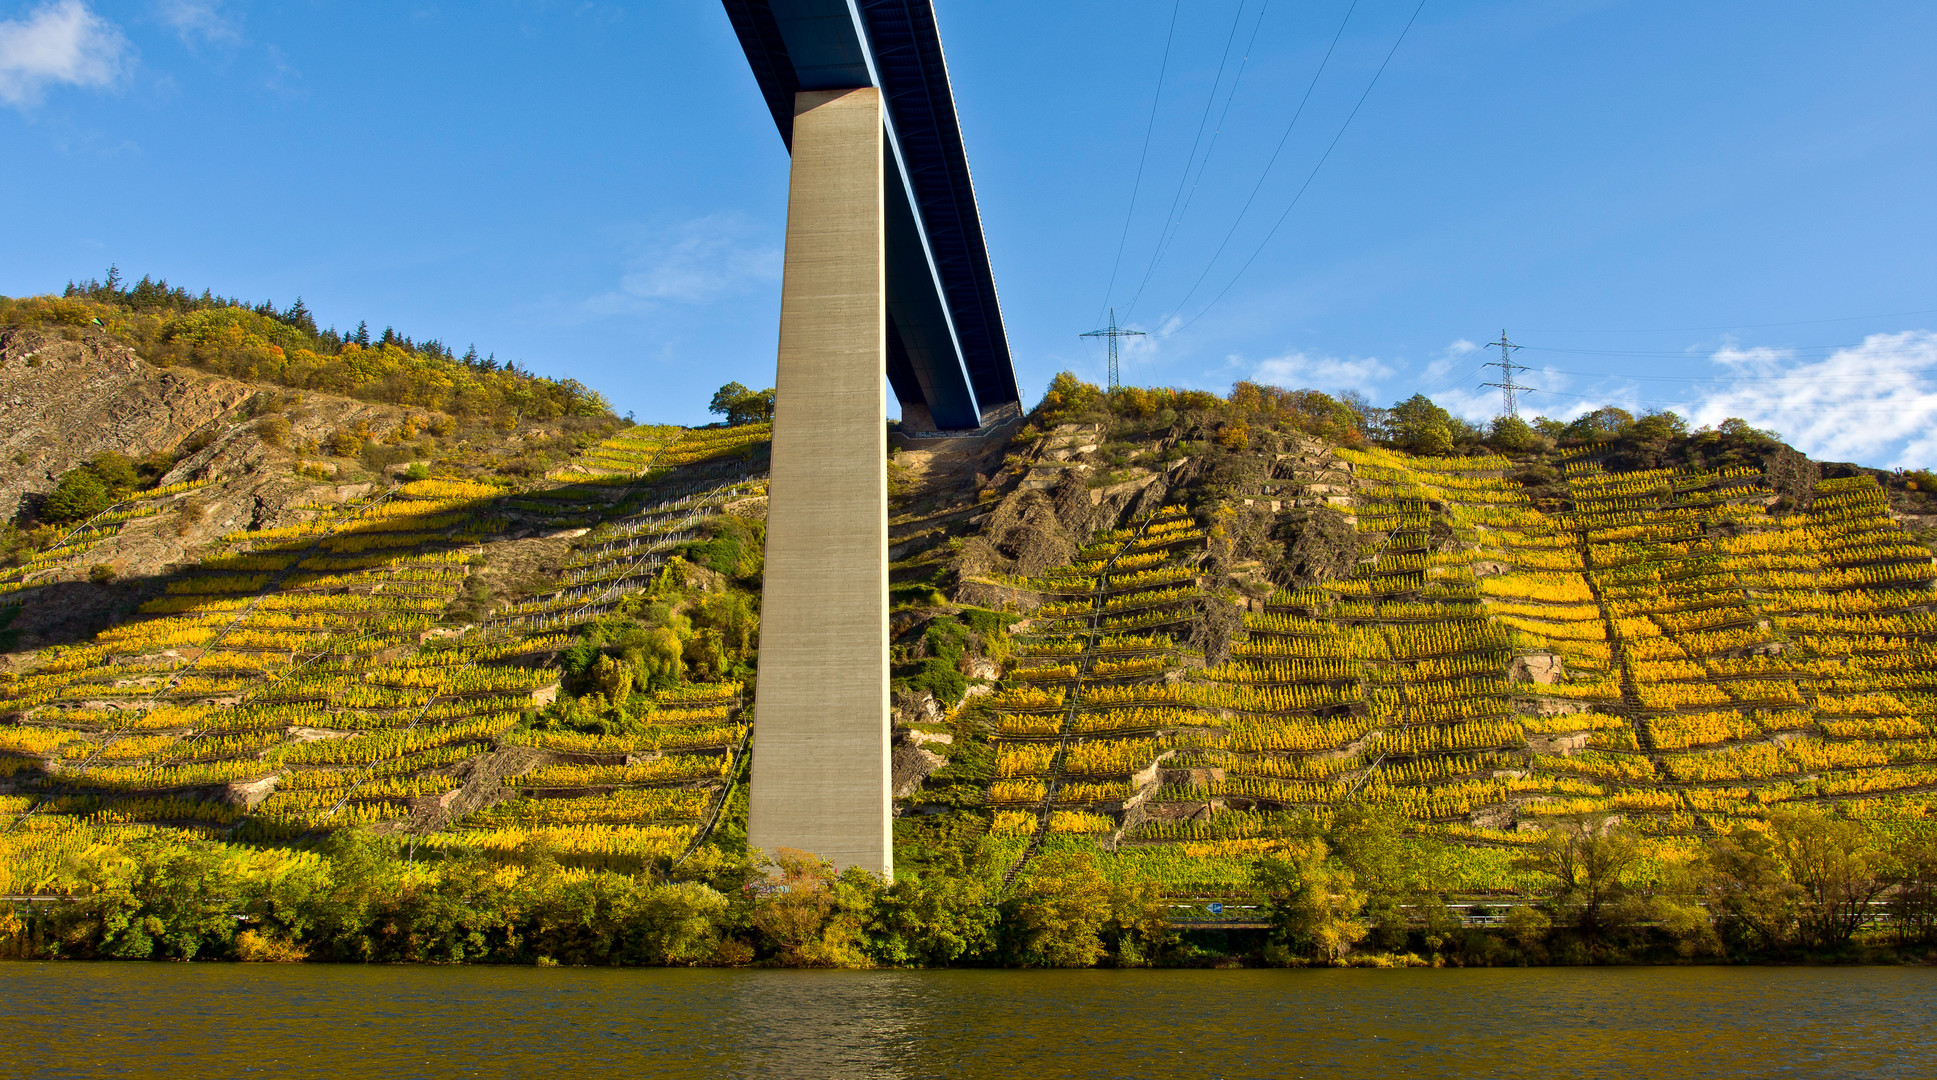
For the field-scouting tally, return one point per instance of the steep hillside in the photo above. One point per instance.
(1220, 639)
(340, 653)
(68, 401)
(203, 457)
(1159, 633)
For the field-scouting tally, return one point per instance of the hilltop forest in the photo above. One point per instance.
(340, 647)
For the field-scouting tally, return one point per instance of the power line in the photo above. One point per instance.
(1137, 186)
(1737, 326)
(1315, 168)
(1451, 383)
(1509, 389)
(1112, 332)
(1869, 406)
(1282, 139)
(1737, 377)
(1210, 100)
(1682, 354)
(1215, 132)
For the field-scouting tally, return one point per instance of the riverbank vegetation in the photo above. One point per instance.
(1809, 888)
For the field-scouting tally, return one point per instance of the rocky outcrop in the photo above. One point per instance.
(1538, 667)
(1216, 623)
(249, 794)
(1319, 543)
(1792, 477)
(483, 786)
(915, 707)
(911, 765)
(67, 400)
(69, 396)
(1054, 510)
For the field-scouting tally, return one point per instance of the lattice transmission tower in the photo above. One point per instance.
(1509, 389)
(1113, 332)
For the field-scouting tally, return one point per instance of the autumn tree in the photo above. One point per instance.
(1312, 901)
(1752, 897)
(811, 916)
(1059, 910)
(1591, 865)
(1834, 870)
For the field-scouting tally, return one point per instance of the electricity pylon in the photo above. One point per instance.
(1113, 332)
(1509, 390)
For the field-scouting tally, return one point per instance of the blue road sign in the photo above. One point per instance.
(1217, 909)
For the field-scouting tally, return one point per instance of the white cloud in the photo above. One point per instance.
(1576, 404)
(61, 43)
(697, 262)
(1474, 403)
(1458, 353)
(1870, 403)
(1142, 350)
(1299, 370)
(194, 20)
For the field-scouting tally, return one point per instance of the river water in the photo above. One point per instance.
(203, 1021)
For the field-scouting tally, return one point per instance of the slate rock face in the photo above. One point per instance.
(64, 402)
(1217, 622)
(1320, 544)
(912, 765)
(1792, 477)
(1538, 667)
(68, 396)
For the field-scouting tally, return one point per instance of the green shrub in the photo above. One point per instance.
(93, 487)
(659, 659)
(1512, 435)
(946, 642)
(612, 678)
(732, 547)
(79, 495)
(116, 471)
(984, 622)
(721, 554)
(940, 678)
(915, 594)
(376, 456)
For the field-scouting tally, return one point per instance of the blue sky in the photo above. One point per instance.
(1722, 207)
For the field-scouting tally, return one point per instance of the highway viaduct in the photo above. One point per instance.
(886, 288)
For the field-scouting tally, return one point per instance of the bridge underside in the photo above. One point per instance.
(948, 357)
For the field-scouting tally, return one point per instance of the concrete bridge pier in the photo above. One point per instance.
(821, 756)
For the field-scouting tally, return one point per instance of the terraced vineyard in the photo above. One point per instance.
(303, 680)
(1668, 650)
(82, 538)
(1664, 646)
